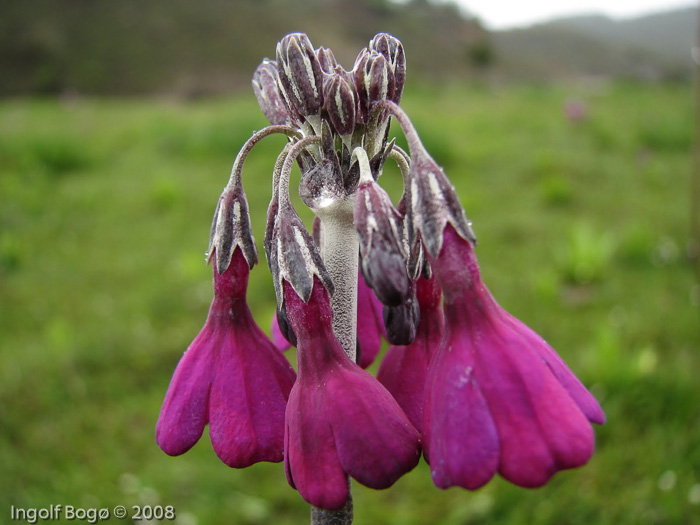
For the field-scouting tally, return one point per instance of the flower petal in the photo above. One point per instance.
(339, 418)
(183, 415)
(311, 460)
(278, 338)
(251, 384)
(540, 425)
(376, 443)
(461, 438)
(583, 398)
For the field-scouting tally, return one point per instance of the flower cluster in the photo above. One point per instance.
(465, 382)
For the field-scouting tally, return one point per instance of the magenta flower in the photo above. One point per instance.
(404, 368)
(498, 398)
(340, 420)
(231, 377)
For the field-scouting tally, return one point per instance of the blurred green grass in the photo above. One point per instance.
(105, 207)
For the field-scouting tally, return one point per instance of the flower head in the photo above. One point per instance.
(340, 420)
(488, 394)
(231, 377)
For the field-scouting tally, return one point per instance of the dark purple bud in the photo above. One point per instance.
(294, 256)
(267, 91)
(391, 48)
(326, 60)
(432, 203)
(230, 228)
(417, 265)
(300, 74)
(339, 100)
(401, 322)
(374, 81)
(379, 227)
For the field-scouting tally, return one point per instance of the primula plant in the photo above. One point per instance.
(463, 382)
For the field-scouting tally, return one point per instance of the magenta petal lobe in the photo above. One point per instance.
(183, 415)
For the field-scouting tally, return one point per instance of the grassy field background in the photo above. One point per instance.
(105, 208)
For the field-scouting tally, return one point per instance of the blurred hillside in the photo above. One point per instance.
(207, 47)
(653, 47)
(190, 49)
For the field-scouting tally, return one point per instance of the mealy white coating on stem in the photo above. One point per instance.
(340, 253)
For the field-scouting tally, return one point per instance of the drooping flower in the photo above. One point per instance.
(404, 368)
(498, 398)
(231, 377)
(340, 420)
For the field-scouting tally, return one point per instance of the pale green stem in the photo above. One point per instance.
(402, 159)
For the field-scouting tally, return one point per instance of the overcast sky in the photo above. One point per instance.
(499, 14)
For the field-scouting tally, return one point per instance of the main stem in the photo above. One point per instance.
(340, 253)
(340, 249)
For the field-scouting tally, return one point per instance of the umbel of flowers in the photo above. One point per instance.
(464, 382)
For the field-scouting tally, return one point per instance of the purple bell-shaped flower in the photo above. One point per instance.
(340, 420)
(498, 398)
(231, 377)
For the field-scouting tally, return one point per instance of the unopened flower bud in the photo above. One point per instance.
(267, 91)
(379, 227)
(300, 74)
(326, 60)
(374, 81)
(401, 322)
(392, 49)
(339, 101)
